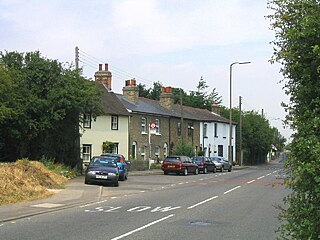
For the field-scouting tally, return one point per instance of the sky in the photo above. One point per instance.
(175, 42)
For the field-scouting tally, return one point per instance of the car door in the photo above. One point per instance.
(209, 164)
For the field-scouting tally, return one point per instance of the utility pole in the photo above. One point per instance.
(77, 57)
(181, 114)
(240, 131)
(77, 141)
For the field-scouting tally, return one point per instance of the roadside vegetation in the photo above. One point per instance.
(297, 48)
(27, 180)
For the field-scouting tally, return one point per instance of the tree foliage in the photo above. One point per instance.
(297, 47)
(41, 102)
(198, 99)
(184, 149)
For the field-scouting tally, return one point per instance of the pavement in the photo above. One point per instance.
(75, 193)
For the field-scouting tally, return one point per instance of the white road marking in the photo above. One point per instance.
(138, 209)
(114, 197)
(251, 181)
(201, 179)
(268, 174)
(142, 191)
(180, 183)
(260, 177)
(164, 209)
(232, 189)
(207, 200)
(143, 227)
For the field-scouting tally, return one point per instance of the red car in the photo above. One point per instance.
(178, 165)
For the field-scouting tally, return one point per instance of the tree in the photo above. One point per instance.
(296, 24)
(183, 148)
(41, 107)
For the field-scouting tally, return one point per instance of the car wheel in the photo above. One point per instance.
(86, 181)
(116, 184)
(197, 171)
(165, 173)
(221, 170)
(185, 172)
(205, 170)
(229, 170)
(214, 170)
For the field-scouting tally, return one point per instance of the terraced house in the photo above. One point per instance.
(204, 130)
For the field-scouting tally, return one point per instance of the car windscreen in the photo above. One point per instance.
(216, 159)
(171, 159)
(107, 162)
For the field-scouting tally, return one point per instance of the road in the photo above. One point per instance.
(236, 205)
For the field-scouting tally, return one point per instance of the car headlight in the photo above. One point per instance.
(92, 172)
(112, 174)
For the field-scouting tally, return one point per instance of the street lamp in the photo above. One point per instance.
(230, 112)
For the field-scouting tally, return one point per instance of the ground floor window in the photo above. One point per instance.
(143, 152)
(86, 152)
(220, 150)
(134, 150)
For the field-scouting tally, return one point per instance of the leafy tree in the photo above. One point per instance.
(183, 148)
(296, 24)
(41, 108)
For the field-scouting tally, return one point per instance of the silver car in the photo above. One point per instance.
(221, 163)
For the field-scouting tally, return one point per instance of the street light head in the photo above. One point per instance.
(244, 62)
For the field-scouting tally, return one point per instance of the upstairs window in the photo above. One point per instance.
(157, 126)
(205, 126)
(87, 120)
(190, 129)
(114, 122)
(143, 125)
(179, 128)
(216, 130)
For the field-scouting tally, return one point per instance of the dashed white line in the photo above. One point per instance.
(232, 189)
(268, 174)
(207, 200)
(260, 177)
(251, 181)
(143, 227)
(142, 191)
(114, 197)
(180, 183)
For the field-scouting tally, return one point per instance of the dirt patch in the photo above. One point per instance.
(27, 180)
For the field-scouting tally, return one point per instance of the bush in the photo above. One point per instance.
(59, 168)
(183, 148)
(137, 165)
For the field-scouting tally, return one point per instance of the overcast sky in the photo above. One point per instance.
(174, 42)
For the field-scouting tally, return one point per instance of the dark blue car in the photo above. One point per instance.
(123, 165)
(102, 170)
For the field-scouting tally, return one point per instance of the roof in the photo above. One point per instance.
(110, 103)
(149, 106)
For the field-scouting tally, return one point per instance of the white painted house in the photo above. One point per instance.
(113, 126)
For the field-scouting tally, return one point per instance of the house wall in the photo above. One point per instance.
(141, 139)
(213, 140)
(100, 132)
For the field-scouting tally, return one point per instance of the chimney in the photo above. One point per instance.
(131, 91)
(104, 76)
(166, 98)
(215, 108)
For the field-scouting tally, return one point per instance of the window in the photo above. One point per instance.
(216, 130)
(86, 152)
(190, 129)
(165, 150)
(220, 150)
(143, 125)
(114, 122)
(205, 130)
(87, 120)
(133, 151)
(143, 152)
(157, 126)
(179, 128)
(115, 149)
(157, 152)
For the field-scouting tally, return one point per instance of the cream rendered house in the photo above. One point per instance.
(113, 126)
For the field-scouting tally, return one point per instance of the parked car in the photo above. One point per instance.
(221, 163)
(178, 165)
(205, 164)
(102, 170)
(122, 164)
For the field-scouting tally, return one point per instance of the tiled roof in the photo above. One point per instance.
(111, 104)
(149, 106)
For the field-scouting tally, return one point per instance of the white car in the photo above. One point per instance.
(221, 163)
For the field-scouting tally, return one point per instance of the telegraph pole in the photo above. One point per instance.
(77, 57)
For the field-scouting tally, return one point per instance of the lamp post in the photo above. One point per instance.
(230, 112)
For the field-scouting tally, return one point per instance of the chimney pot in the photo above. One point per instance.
(100, 67)
(106, 66)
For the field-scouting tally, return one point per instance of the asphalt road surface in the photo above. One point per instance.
(230, 205)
